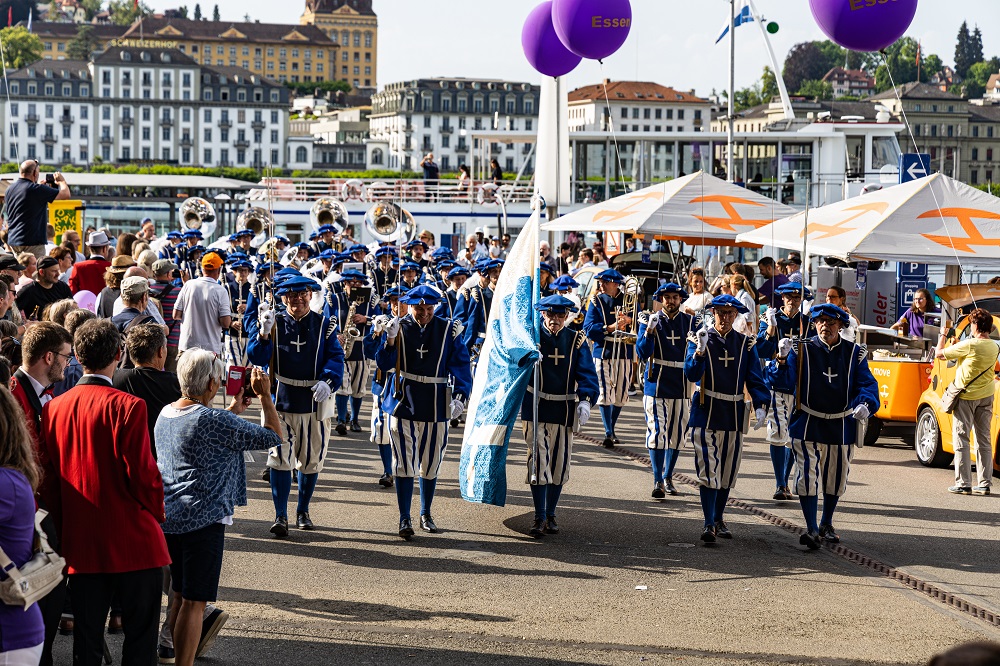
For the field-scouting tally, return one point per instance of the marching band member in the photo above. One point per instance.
(662, 344)
(439, 278)
(723, 362)
(169, 251)
(415, 251)
(612, 357)
(192, 260)
(383, 275)
(324, 239)
(775, 325)
(358, 253)
(390, 307)
(473, 305)
(547, 276)
(421, 351)
(239, 295)
(567, 388)
(338, 305)
(836, 390)
(564, 285)
(410, 274)
(308, 363)
(456, 279)
(304, 252)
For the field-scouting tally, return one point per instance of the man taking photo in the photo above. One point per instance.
(27, 204)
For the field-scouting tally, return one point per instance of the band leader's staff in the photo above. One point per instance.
(567, 389)
(662, 345)
(724, 362)
(421, 351)
(613, 358)
(308, 364)
(775, 325)
(835, 390)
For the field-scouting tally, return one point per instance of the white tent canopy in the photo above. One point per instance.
(935, 220)
(697, 209)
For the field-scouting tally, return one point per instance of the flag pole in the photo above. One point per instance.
(732, 90)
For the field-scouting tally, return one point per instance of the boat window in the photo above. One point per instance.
(855, 157)
(885, 151)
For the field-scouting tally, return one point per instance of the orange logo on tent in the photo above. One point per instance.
(831, 230)
(964, 217)
(728, 205)
(636, 199)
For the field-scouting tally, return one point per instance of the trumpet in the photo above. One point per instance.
(389, 222)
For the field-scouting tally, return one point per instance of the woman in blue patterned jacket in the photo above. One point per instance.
(200, 456)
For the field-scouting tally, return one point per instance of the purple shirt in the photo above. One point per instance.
(916, 323)
(19, 628)
(767, 289)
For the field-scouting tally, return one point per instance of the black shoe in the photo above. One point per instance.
(280, 527)
(811, 540)
(614, 438)
(164, 654)
(405, 528)
(779, 494)
(669, 485)
(550, 525)
(453, 423)
(827, 533)
(659, 491)
(708, 535)
(66, 625)
(537, 528)
(385, 481)
(722, 531)
(115, 624)
(302, 520)
(608, 442)
(266, 476)
(355, 426)
(341, 427)
(427, 524)
(210, 628)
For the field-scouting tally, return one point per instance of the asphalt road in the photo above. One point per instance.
(625, 582)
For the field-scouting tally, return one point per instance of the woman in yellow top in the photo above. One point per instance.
(976, 357)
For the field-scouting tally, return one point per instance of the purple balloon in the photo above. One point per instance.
(541, 45)
(863, 25)
(592, 28)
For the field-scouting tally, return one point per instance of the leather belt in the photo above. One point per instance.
(301, 383)
(824, 415)
(722, 396)
(551, 396)
(423, 380)
(667, 364)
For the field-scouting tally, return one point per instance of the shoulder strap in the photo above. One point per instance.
(988, 368)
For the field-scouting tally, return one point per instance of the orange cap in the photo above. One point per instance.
(211, 261)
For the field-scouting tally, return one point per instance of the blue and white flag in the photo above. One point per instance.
(743, 15)
(29, 19)
(505, 363)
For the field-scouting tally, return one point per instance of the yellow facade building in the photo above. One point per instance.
(353, 26)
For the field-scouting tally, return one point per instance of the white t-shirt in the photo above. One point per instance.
(202, 301)
(697, 302)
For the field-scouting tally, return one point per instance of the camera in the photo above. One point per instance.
(50, 180)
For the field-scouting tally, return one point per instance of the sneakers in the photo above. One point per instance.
(164, 654)
(960, 490)
(210, 628)
(826, 533)
(981, 490)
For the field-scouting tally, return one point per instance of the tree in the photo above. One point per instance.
(85, 43)
(215, 14)
(978, 76)
(768, 85)
(813, 88)
(182, 11)
(197, 12)
(20, 47)
(805, 61)
(963, 51)
(125, 12)
(92, 7)
(976, 46)
(931, 65)
(902, 59)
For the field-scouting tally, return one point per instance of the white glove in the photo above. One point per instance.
(266, 320)
(771, 317)
(784, 346)
(582, 413)
(654, 321)
(456, 408)
(702, 340)
(379, 323)
(321, 391)
(861, 412)
(392, 328)
(761, 417)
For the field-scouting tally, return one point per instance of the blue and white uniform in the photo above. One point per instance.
(236, 341)
(664, 388)
(613, 357)
(355, 384)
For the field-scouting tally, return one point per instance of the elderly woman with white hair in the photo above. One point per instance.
(200, 456)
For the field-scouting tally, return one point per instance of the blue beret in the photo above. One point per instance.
(671, 288)
(296, 284)
(829, 310)
(445, 264)
(611, 275)
(233, 238)
(195, 248)
(193, 233)
(443, 252)
(263, 268)
(548, 269)
(458, 270)
(281, 239)
(340, 257)
(386, 251)
(288, 271)
(556, 304)
(327, 254)
(410, 266)
(174, 234)
(358, 247)
(728, 300)
(326, 229)
(242, 263)
(793, 288)
(422, 295)
(353, 275)
(564, 282)
(414, 243)
(394, 291)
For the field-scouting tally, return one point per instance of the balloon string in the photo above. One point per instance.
(611, 126)
(930, 185)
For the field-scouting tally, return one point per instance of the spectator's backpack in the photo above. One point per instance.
(124, 362)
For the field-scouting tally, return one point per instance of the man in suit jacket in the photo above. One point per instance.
(111, 497)
(45, 350)
(89, 275)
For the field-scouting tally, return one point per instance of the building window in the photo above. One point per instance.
(127, 133)
(224, 136)
(301, 154)
(84, 132)
(975, 154)
(377, 156)
(208, 155)
(105, 113)
(368, 40)
(166, 154)
(208, 134)
(357, 39)
(126, 153)
(67, 90)
(974, 176)
(33, 90)
(145, 134)
(274, 116)
(274, 136)
(274, 156)
(241, 116)
(624, 112)
(241, 95)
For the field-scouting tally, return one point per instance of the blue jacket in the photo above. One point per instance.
(667, 344)
(472, 308)
(336, 305)
(729, 365)
(567, 369)
(788, 327)
(834, 380)
(601, 314)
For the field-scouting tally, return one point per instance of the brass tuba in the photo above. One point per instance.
(389, 222)
(198, 213)
(257, 220)
(327, 210)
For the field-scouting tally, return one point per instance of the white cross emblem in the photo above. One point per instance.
(420, 350)
(727, 358)
(830, 374)
(298, 344)
(556, 356)
(673, 337)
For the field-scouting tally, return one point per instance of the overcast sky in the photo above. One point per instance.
(671, 42)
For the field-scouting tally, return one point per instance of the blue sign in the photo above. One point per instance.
(861, 275)
(913, 166)
(911, 270)
(905, 292)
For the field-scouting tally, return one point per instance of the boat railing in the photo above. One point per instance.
(400, 190)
